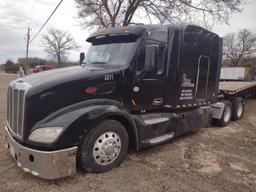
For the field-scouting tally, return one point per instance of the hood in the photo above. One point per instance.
(53, 90)
(51, 78)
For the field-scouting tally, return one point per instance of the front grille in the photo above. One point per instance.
(16, 107)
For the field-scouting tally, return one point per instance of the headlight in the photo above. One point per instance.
(45, 135)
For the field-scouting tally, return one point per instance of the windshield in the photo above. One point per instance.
(117, 54)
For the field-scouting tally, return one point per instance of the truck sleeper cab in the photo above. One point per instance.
(137, 86)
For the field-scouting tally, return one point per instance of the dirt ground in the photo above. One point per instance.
(213, 160)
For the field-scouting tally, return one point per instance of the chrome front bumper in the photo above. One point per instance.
(43, 164)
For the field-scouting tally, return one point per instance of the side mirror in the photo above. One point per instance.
(82, 56)
(151, 58)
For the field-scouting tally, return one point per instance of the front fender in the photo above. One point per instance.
(80, 118)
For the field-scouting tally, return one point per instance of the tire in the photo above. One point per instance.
(226, 115)
(237, 108)
(104, 147)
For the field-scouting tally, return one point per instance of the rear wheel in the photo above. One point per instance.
(104, 147)
(226, 115)
(238, 108)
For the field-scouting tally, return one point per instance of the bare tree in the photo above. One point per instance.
(57, 43)
(106, 13)
(238, 46)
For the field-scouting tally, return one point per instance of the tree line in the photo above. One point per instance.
(112, 13)
(13, 67)
(239, 48)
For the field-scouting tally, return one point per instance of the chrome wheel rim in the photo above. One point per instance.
(227, 114)
(239, 110)
(107, 148)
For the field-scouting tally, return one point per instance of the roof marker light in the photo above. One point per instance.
(126, 30)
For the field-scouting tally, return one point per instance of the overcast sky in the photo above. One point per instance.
(17, 15)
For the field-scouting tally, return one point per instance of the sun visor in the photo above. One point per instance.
(131, 33)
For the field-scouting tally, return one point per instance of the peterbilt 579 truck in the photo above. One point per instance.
(137, 87)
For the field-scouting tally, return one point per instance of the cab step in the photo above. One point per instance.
(159, 139)
(156, 120)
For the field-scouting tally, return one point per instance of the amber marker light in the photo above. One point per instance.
(133, 102)
(126, 30)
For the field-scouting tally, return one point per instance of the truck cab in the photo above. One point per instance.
(137, 86)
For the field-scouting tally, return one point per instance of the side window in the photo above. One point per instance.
(202, 77)
(141, 61)
(159, 35)
(140, 66)
(161, 60)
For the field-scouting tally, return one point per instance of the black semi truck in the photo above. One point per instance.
(137, 86)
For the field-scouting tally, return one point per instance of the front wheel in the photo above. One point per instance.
(104, 147)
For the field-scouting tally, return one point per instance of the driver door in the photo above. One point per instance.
(147, 87)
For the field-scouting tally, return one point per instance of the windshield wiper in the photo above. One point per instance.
(98, 62)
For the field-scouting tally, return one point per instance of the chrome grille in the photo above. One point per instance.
(16, 107)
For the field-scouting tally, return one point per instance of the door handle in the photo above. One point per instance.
(158, 101)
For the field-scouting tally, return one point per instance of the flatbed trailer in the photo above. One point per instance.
(231, 96)
(242, 89)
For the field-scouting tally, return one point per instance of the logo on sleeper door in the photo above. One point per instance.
(187, 82)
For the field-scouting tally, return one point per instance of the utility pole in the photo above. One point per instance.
(27, 49)
(28, 39)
